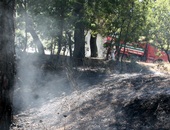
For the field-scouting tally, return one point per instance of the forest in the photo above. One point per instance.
(59, 71)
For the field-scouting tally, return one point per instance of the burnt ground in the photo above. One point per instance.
(96, 97)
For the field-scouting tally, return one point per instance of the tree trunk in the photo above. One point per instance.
(93, 46)
(36, 40)
(7, 67)
(69, 43)
(166, 51)
(79, 37)
(60, 36)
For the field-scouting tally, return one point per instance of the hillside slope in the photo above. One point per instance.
(120, 102)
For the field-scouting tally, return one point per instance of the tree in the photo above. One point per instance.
(133, 22)
(7, 66)
(93, 46)
(126, 20)
(160, 27)
(92, 9)
(24, 18)
(54, 19)
(79, 27)
(108, 17)
(36, 39)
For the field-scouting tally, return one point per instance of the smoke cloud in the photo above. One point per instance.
(33, 86)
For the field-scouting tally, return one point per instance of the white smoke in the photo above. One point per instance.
(33, 86)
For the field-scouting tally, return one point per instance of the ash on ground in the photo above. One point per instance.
(120, 102)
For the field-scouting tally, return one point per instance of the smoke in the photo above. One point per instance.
(33, 86)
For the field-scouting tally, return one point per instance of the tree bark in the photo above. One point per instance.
(79, 37)
(93, 46)
(7, 67)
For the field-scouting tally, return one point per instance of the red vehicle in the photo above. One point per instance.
(153, 54)
(145, 51)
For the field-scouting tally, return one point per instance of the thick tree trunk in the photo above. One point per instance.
(93, 46)
(6, 62)
(79, 39)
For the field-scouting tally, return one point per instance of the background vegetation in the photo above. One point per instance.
(61, 24)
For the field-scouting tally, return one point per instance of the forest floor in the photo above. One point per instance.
(96, 97)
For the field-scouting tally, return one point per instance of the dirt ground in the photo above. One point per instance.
(138, 98)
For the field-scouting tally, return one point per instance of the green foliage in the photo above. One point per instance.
(130, 19)
(159, 21)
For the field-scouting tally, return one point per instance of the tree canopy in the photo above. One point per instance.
(55, 22)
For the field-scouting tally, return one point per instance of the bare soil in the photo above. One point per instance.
(102, 98)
